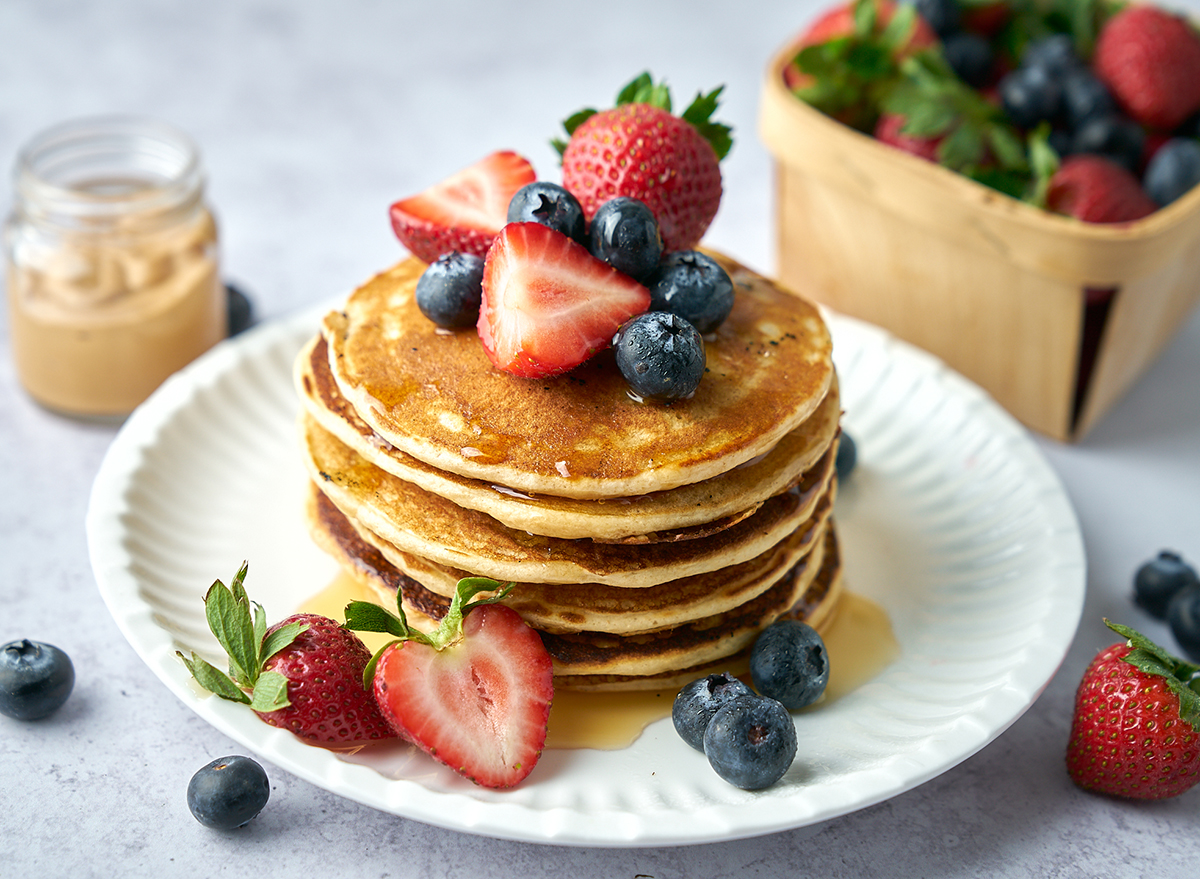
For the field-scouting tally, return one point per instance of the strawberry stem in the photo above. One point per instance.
(1180, 676)
(365, 616)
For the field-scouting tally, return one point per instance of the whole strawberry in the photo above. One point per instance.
(1134, 732)
(639, 149)
(1097, 190)
(1150, 61)
(304, 674)
(475, 693)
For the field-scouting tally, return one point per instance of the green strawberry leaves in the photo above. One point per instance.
(642, 89)
(240, 627)
(1180, 676)
(365, 616)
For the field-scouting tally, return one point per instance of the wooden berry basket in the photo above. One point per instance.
(1054, 317)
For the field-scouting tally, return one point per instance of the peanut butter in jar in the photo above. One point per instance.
(112, 264)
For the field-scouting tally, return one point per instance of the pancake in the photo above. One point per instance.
(590, 606)
(593, 660)
(428, 525)
(722, 499)
(434, 395)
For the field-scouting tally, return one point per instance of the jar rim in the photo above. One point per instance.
(98, 167)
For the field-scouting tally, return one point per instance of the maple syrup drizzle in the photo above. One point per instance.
(860, 642)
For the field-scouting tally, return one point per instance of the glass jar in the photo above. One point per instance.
(112, 265)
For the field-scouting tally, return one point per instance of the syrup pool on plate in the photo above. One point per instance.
(860, 642)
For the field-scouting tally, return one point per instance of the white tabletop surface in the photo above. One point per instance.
(312, 117)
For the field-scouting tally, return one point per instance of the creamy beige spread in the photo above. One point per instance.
(100, 319)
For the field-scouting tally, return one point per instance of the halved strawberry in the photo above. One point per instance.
(465, 211)
(548, 304)
(475, 693)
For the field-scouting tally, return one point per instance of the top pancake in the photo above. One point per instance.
(434, 395)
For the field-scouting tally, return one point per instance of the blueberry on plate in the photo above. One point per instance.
(450, 290)
(693, 286)
(789, 663)
(661, 355)
(1159, 579)
(847, 456)
(551, 205)
(1173, 170)
(625, 234)
(35, 679)
(228, 792)
(750, 742)
(1183, 616)
(697, 702)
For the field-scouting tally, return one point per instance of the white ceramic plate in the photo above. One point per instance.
(953, 522)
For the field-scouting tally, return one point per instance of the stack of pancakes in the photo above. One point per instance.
(648, 543)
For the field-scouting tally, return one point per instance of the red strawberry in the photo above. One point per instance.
(465, 211)
(304, 674)
(475, 693)
(1134, 732)
(1150, 61)
(640, 150)
(548, 305)
(889, 130)
(1097, 190)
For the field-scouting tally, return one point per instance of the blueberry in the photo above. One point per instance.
(1114, 137)
(661, 355)
(698, 701)
(625, 235)
(1030, 95)
(450, 290)
(1061, 141)
(970, 56)
(551, 205)
(941, 15)
(1054, 54)
(1159, 579)
(693, 286)
(847, 456)
(1183, 616)
(1085, 97)
(239, 309)
(789, 663)
(1173, 170)
(750, 742)
(228, 792)
(35, 679)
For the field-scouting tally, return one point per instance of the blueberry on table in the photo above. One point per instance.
(1173, 170)
(1183, 616)
(661, 355)
(625, 235)
(751, 742)
(552, 206)
(228, 792)
(693, 286)
(697, 702)
(35, 679)
(450, 290)
(789, 663)
(1159, 579)
(239, 309)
